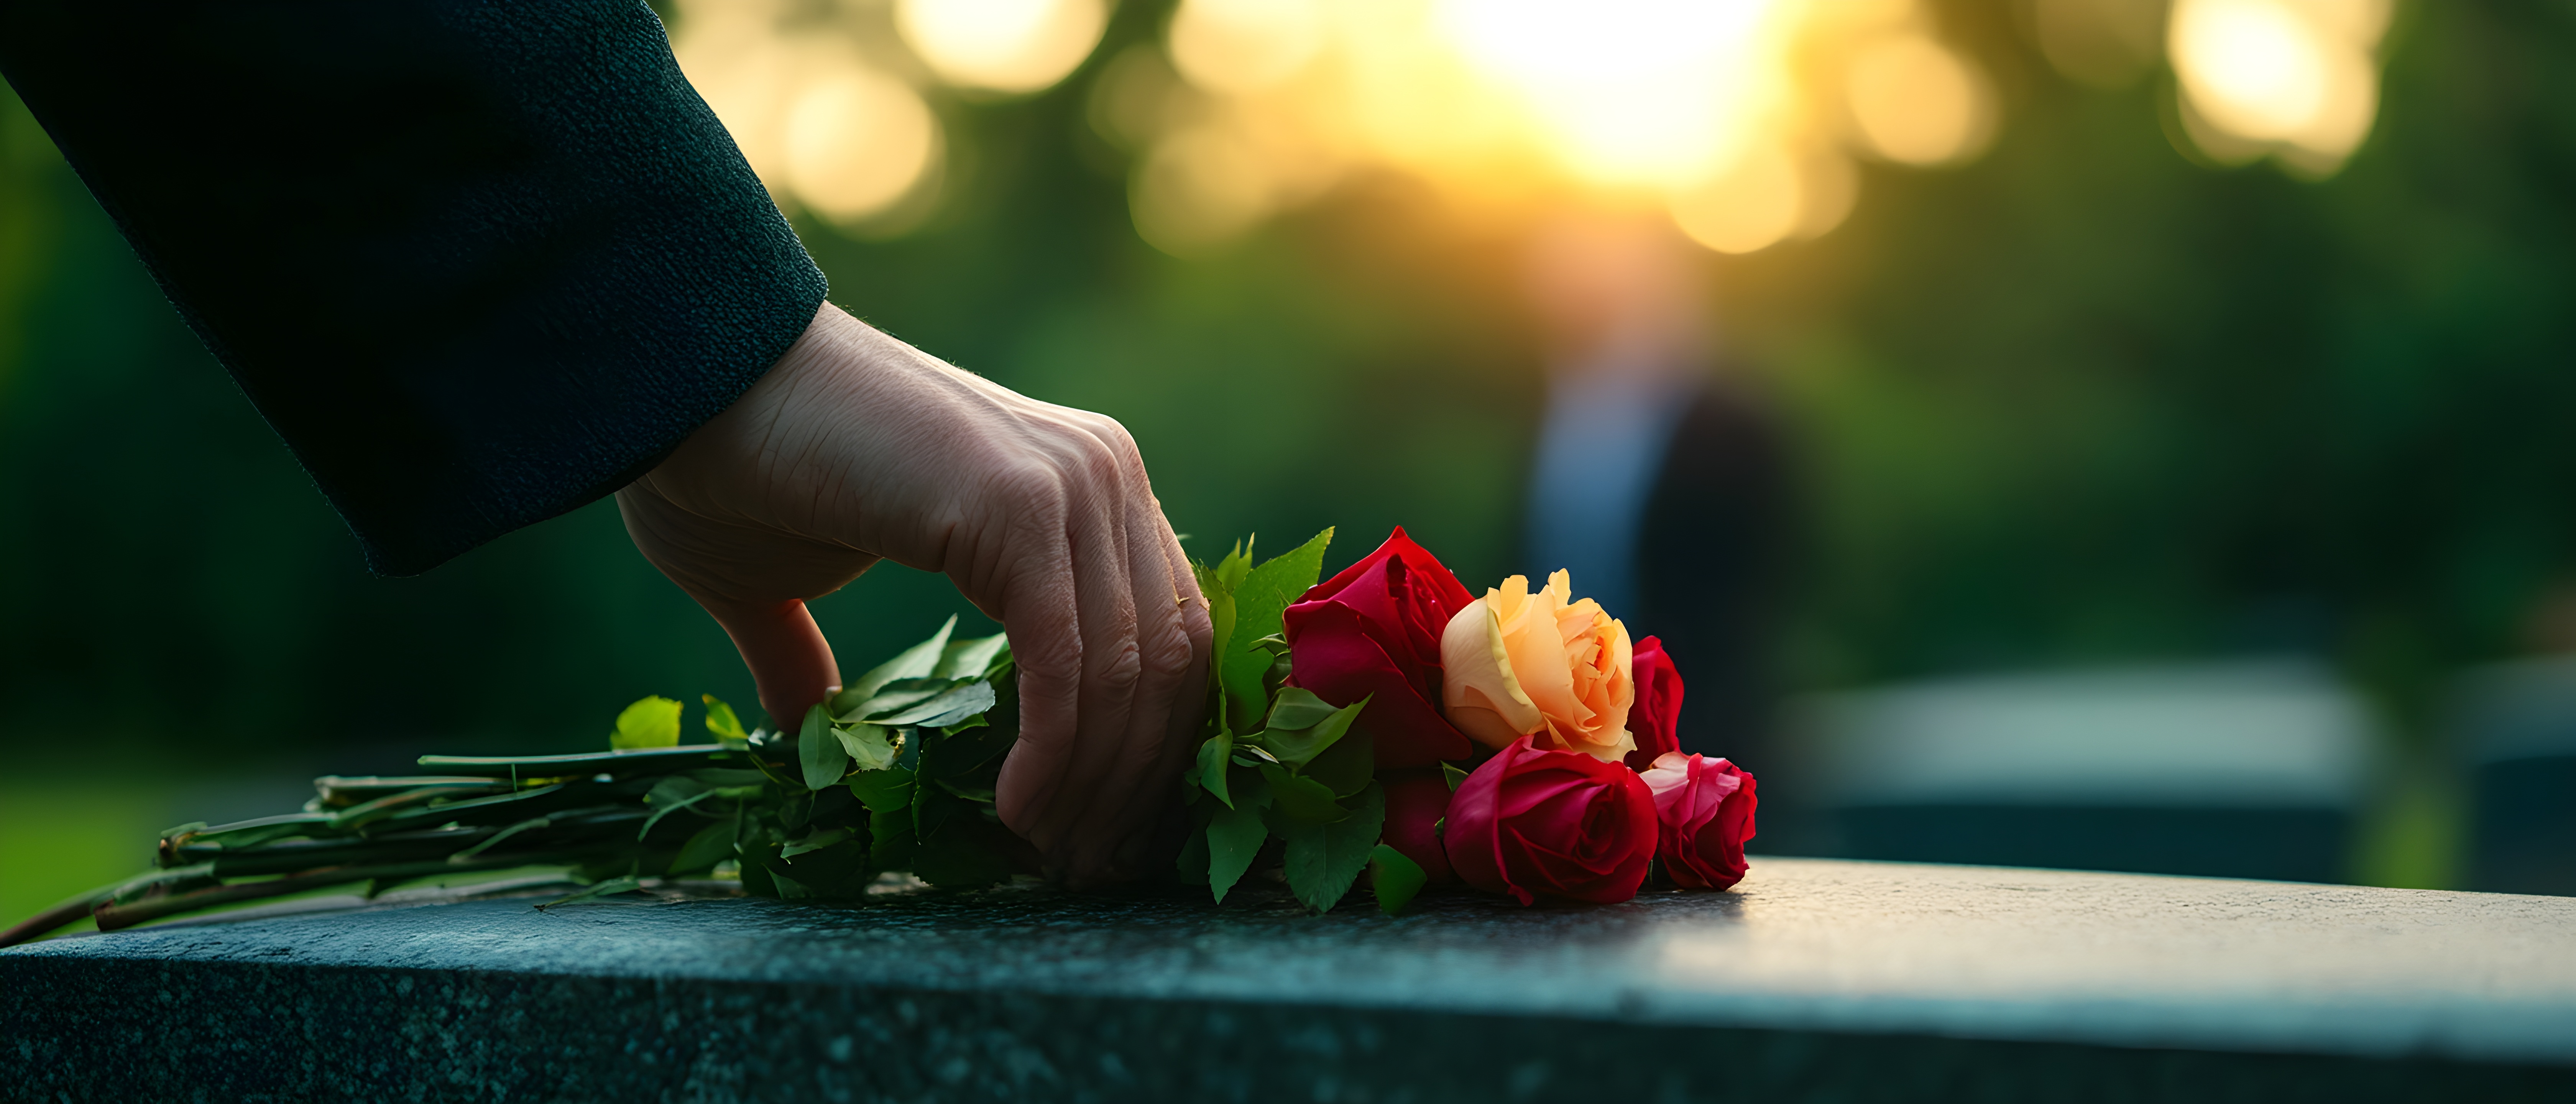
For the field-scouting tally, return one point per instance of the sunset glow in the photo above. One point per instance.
(1743, 119)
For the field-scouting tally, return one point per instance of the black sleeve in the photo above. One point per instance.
(479, 262)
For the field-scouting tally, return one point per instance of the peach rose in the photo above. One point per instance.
(1517, 664)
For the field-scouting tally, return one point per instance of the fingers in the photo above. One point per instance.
(786, 652)
(1082, 818)
(1037, 608)
(754, 584)
(1172, 675)
(1148, 844)
(1042, 515)
(1110, 692)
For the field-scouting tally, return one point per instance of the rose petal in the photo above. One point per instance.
(1333, 656)
(1472, 839)
(1477, 684)
(1702, 825)
(1427, 573)
(1416, 801)
(1532, 822)
(1654, 714)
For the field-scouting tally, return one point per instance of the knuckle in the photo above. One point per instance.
(1046, 672)
(1112, 433)
(1029, 489)
(1100, 459)
(1123, 670)
(1199, 628)
(1170, 655)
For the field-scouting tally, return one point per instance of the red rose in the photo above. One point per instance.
(1375, 629)
(1538, 823)
(1415, 802)
(1703, 815)
(1655, 718)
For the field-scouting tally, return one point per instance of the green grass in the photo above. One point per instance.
(2413, 836)
(61, 836)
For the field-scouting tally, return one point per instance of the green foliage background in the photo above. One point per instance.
(2081, 399)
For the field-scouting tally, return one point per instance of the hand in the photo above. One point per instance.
(857, 447)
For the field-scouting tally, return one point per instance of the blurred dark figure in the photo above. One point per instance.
(1661, 482)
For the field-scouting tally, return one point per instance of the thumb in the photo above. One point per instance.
(786, 652)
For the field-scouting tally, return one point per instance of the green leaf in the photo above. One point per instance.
(816, 841)
(652, 722)
(675, 788)
(867, 745)
(1395, 878)
(1298, 745)
(1193, 862)
(1217, 585)
(981, 795)
(931, 809)
(890, 839)
(1237, 564)
(1457, 775)
(964, 699)
(883, 791)
(1234, 837)
(1211, 767)
(1276, 677)
(756, 879)
(1324, 859)
(889, 699)
(1302, 798)
(837, 869)
(1298, 708)
(663, 810)
(968, 752)
(721, 721)
(917, 661)
(1347, 767)
(973, 658)
(469, 854)
(788, 887)
(819, 751)
(713, 844)
(1265, 592)
(620, 884)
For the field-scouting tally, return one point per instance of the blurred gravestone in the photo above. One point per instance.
(2250, 770)
(2517, 725)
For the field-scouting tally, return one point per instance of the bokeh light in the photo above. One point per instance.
(1238, 46)
(2292, 78)
(1741, 119)
(856, 141)
(829, 128)
(2102, 43)
(1755, 203)
(1654, 92)
(1734, 115)
(1009, 46)
(1915, 102)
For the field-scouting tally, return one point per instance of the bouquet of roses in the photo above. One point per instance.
(1383, 719)
(1387, 719)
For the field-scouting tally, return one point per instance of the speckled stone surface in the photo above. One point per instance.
(1816, 980)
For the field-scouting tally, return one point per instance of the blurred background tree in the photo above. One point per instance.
(2085, 355)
